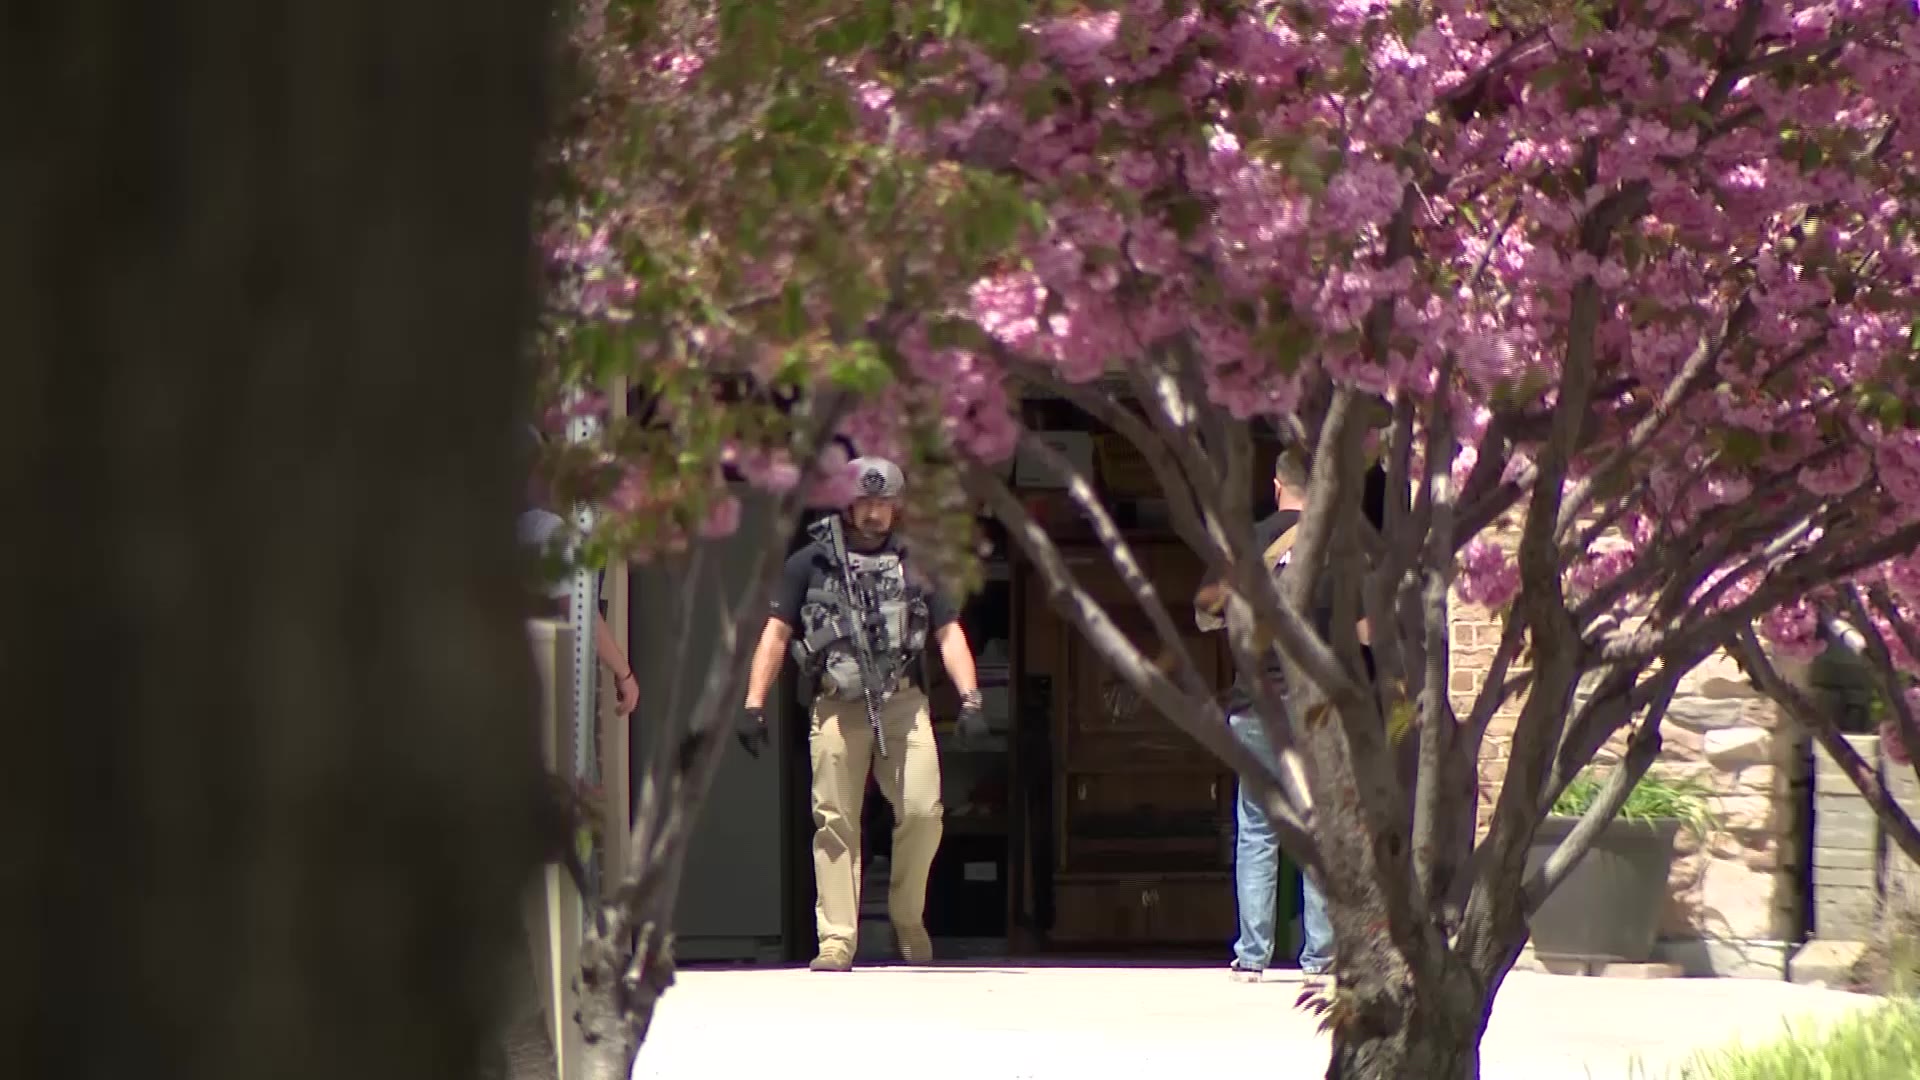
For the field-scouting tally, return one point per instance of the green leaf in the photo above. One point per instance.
(1407, 20)
(1550, 76)
(1353, 68)
(1287, 341)
(1399, 720)
(1893, 411)
(1185, 215)
(793, 311)
(1741, 446)
(1163, 103)
(1633, 250)
(1305, 167)
(859, 368)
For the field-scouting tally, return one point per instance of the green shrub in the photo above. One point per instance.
(1654, 798)
(1880, 1043)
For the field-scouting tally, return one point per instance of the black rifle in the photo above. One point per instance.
(860, 614)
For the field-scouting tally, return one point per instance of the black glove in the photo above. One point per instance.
(972, 725)
(751, 730)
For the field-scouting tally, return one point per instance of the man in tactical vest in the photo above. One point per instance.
(857, 619)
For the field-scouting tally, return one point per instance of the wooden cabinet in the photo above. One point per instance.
(1150, 909)
(1143, 815)
(1100, 912)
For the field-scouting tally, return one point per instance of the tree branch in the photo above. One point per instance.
(1120, 555)
(1434, 855)
(1799, 574)
(1885, 673)
(1903, 630)
(1181, 500)
(1163, 401)
(1753, 660)
(1642, 749)
(1693, 374)
(1493, 916)
(1433, 849)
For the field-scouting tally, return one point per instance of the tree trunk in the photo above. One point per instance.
(1421, 1046)
(271, 782)
(1384, 1031)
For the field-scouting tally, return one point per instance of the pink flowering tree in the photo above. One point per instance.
(1618, 296)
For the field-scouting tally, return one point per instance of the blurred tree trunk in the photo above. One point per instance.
(267, 793)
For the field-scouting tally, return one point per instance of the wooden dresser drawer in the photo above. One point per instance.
(1145, 822)
(1099, 912)
(1188, 911)
(1193, 912)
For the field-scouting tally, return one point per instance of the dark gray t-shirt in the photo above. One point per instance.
(1240, 697)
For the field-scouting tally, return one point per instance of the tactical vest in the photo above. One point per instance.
(895, 627)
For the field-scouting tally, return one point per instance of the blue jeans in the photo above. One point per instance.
(1256, 875)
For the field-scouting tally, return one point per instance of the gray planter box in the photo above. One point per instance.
(1608, 910)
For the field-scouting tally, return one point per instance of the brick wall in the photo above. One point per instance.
(1476, 637)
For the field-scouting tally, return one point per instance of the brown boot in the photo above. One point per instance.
(915, 946)
(834, 956)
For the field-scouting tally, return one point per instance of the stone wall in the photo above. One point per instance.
(1846, 841)
(1859, 874)
(1736, 887)
(1899, 875)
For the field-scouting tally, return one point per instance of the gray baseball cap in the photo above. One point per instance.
(876, 478)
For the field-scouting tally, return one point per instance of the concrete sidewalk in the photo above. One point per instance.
(988, 1023)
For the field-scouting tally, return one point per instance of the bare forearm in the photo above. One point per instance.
(1211, 599)
(609, 649)
(767, 658)
(957, 654)
(1209, 605)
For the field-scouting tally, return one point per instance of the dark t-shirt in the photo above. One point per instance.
(811, 566)
(1240, 697)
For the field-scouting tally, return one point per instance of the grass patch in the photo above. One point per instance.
(1879, 1043)
(1654, 798)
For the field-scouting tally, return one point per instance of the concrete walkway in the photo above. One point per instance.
(966, 1023)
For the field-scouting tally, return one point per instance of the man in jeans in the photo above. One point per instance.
(1256, 861)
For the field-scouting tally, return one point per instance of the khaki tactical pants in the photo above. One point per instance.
(909, 777)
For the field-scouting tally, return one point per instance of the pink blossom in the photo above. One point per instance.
(1794, 629)
(723, 518)
(1897, 460)
(1488, 577)
(1845, 473)
(832, 482)
(631, 494)
(1903, 578)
